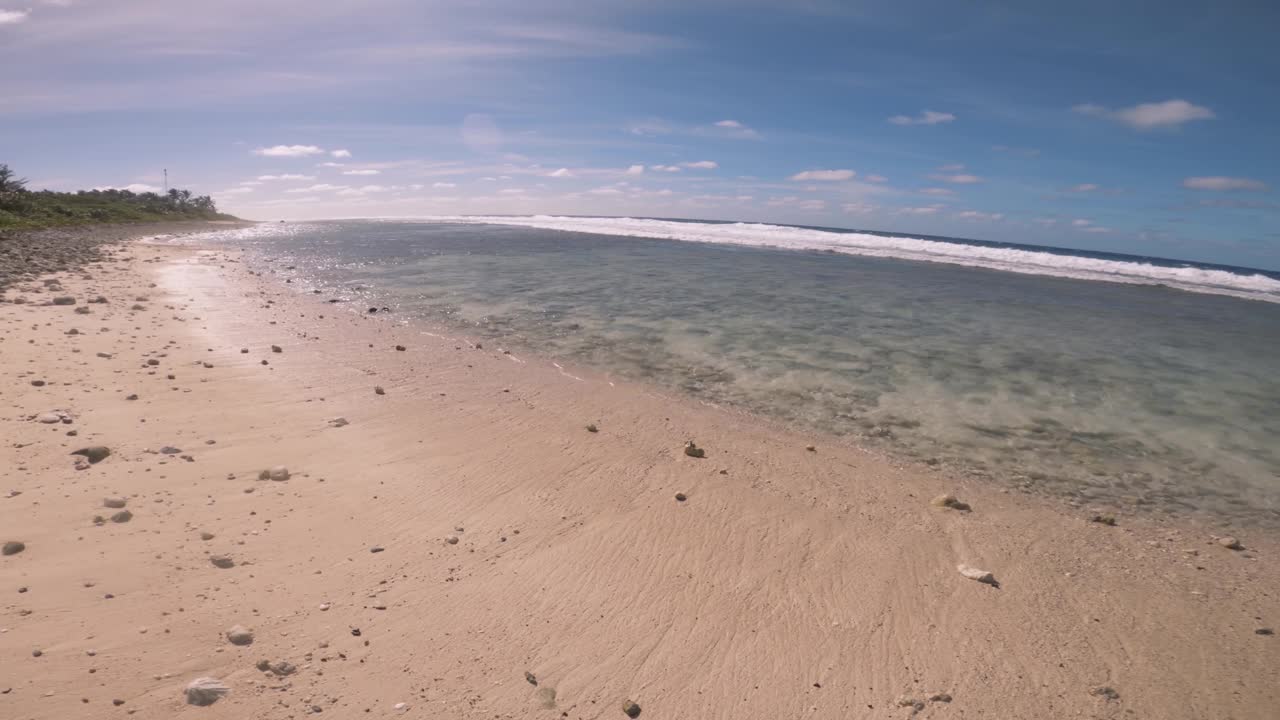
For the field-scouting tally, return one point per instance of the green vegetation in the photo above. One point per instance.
(23, 208)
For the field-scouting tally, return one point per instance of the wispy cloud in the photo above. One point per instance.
(729, 128)
(340, 153)
(1217, 182)
(978, 215)
(701, 165)
(1147, 116)
(859, 208)
(286, 177)
(13, 17)
(635, 170)
(1083, 188)
(561, 173)
(956, 178)
(443, 185)
(924, 210)
(827, 175)
(289, 151)
(323, 187)
(937, 191)
(665, 168)
(928, 117)
(876, 179)
(361, 172)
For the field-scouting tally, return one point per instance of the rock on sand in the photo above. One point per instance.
(206, 691)
(974, 573)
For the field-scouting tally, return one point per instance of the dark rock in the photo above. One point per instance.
(631, 709)
(693, 450)
(13, 547)
(94, 453)
(64, 300)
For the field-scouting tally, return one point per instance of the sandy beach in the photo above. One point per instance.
(453, 541)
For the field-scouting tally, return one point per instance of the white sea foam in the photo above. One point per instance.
(1031, 262)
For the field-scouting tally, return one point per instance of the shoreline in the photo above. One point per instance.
(796, 583)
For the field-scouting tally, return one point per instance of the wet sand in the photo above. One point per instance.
(788, 583)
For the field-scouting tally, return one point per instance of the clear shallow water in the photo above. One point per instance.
(1145, 397)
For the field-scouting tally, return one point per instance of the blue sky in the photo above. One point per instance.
(1122, 126)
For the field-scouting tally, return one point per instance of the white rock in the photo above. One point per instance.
(49, 418)
(278, 473)
(238, 635)
(974, 573)
(114, 502)
(206, 691)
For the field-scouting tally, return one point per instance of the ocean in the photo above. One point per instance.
(1143, 384)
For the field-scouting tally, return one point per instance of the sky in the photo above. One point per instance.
(1123, 126)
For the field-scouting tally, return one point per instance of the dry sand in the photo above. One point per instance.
(788, 584)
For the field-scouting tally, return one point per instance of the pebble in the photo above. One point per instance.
(400, 348)
(277, 349)
(377, 389)
(13, 547)
(38, 383)
(205, 691)
(64, 300)
(1230, 543)
(592, 428)
(222, 561)
(530, 678)
(1104, 519)
(681, 497)
(123, 516)
(239, 635)
(49, 418)
(376, 549)
(279, 473)
(1105, 692)
(94, 453)
(631, 709)
(950, 501)
(974, 573)
(693, 450)
(1264, 631)
(339, 422)
(452, 539)
(114, 502)
(206, 535)
(37, 652)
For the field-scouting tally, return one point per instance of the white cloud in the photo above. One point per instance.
(928, 117)
(236, 191)
(605, 191)
(858, 208)
(561, 173)
(443, 185)
(937, 191)
(287, 177)
(133, 188)
(291, 151)
(1083, 187)
(362, 172)
(331, 164)
(340, 153)
(1170, 113)
(512, 191)
(877, 179)
(1218, 182)
(377, 188)
(793, 201)
(976, 215)
(1081, 222)
(665, 192)
(665, 168)
(729, 128)
(635, 170)
(829, 175)
(702, 165)
(926, 210)
(323, 187)
(13, 17)
(251, 182)
(957, 179)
